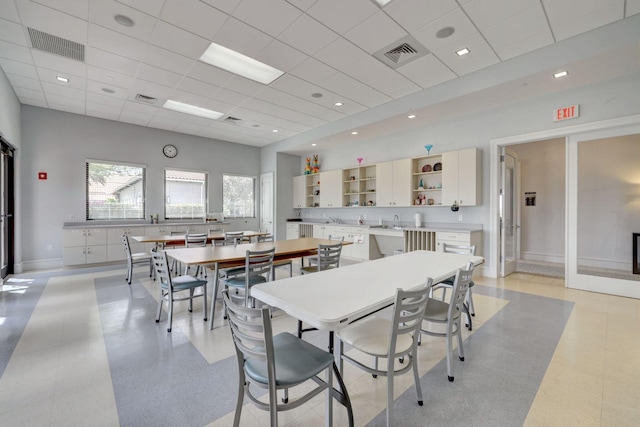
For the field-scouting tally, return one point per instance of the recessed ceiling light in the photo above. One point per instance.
(381, 3)
(275, 130)
(412, 116)
(354, 133)
(314, 144)
(125, 21)
(107, 90)
(561, 74)
(338, 104)
(191, 109)
(445, 32)
(240, 64)
(316, 95)
(62, 79)
(463, 51)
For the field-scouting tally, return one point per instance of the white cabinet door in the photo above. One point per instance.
(331, 189)
(393, 183)
(300, 191)
(293, 231)
(95, 254)
(116, 252)
(459, 238)
(318, 231)
(74, 237)
(96, 236)
(462, 177)
(74, 255)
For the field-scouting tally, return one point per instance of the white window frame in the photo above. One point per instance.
(143, 197)
(205, 193)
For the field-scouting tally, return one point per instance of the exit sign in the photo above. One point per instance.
(565, 113)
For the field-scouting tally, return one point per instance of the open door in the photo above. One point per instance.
(509, 213)
(6, 208)
(266, 202)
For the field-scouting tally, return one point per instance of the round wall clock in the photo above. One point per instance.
(170, 151)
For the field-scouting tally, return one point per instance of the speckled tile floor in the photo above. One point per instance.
(80, 347)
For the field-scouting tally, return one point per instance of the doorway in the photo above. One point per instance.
(266, 202)
(509, 213)
(6, 208)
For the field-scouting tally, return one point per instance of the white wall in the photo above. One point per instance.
(542, 168)
(59, 143)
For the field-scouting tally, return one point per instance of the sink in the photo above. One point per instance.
(398, 228)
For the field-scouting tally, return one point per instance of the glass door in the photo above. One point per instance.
(509, 224)
(6, 209)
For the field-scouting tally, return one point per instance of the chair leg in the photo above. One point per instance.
(241, 380)
(449, 353)
(472, 310)
(329, 380)
(375, 366)
(416, 376)
(390, 400)
(469, 323)
(214, 294)
(300, 329)
(159, 306)
(204, 302)
(170, 317)
(129, 272)
(460, 349)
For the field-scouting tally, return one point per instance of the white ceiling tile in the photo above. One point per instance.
(24, 82)
(244, 86)
(105, 99)
(20, 68)
(525, 25)
(375, 74)
(151, 89)
(456, 19)
(191, 98)
(109, 78)
(297, 103)
(150, 7)
(59, 63)
(481, 55)
(198, 87)
(189, 128)
(157, 75)
(271, 17)
(50, 76)
(164, 113)
(102, 111)
(340, 54)
(573, 17)
(427, 71)
(60, 105)
(230, 97)
(339, 82)
(8, 11)
(199, 121)
(101, 12)
(15, 52)
(140, 107)
(415, 14)
(210, 74)
(178, 40)
(77, 8)
(340, 15)
(313, 71)
(193, 16)
(366, 95)
(486, 13)
(375, 33)
(117, 43)
(53, 22)
(12, 32)
(633, 7)
(302, 4)
(110, 61)
(520, 47)
(238, 36)
(281, 56)
(30, 94)
(59, 90)
(164, 123)
(135, 117)
(218, 105)
(227, 6)
(167, 60)
(35, 102)
(60, 99)
(308, 35)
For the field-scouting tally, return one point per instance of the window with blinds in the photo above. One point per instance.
(185, 194)
(115, 191)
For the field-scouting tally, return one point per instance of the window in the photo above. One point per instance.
(185, 194)
(115, 191)
(238, 196)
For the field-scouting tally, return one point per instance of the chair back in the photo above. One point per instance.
(251, 331)
(195, 240)
(231, 238)
(329, 256)
(215, 230)
(460, 288)
(127, 246)
(408, 311)
(459, 249)
(161, 268)
(266, 238)
(259, 263)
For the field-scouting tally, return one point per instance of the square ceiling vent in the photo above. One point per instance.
(56, 45)
(401, 52)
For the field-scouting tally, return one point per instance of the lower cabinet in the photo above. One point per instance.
(359, 237)
(293, 231)
(85, 246)
(460, 238)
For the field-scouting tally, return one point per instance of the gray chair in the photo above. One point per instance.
(281, 263)
(171, 287)
(449, 313)
(328, 257)
(196, 240)
(313, 260)
(390, 340)
(175, 265)
(448, 283)
(231, 238)
(135, 258)
(258, 268)
(277, 362)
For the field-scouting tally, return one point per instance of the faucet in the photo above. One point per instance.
(334, 219)
(397, 221)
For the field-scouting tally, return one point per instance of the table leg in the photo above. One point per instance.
(214, 294)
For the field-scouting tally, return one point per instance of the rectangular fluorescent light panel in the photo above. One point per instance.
(560, 74)
(240, 64)
(191, 109)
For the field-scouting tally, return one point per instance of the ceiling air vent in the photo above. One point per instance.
(146, 99)
(56, 45)
(233, 120)
(401, 52)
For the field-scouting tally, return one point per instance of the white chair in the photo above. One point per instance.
(448, 283)
(175, 267)
(196, 240)
(170, 287)
(282, 263)
(449, 313)
(258, 268)
(277, 362)
(135, 258)
(231, 238)
(390, 340)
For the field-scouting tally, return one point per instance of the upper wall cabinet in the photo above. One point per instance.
(393, 183)
(300, 191)
(462, 177)
(331, 189)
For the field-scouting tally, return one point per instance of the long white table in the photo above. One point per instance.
(332, 299)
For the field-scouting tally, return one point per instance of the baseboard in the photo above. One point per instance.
(535, 256)
(41, 264)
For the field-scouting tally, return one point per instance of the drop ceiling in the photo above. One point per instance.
(325, 47)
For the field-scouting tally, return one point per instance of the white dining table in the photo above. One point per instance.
(330, 300)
